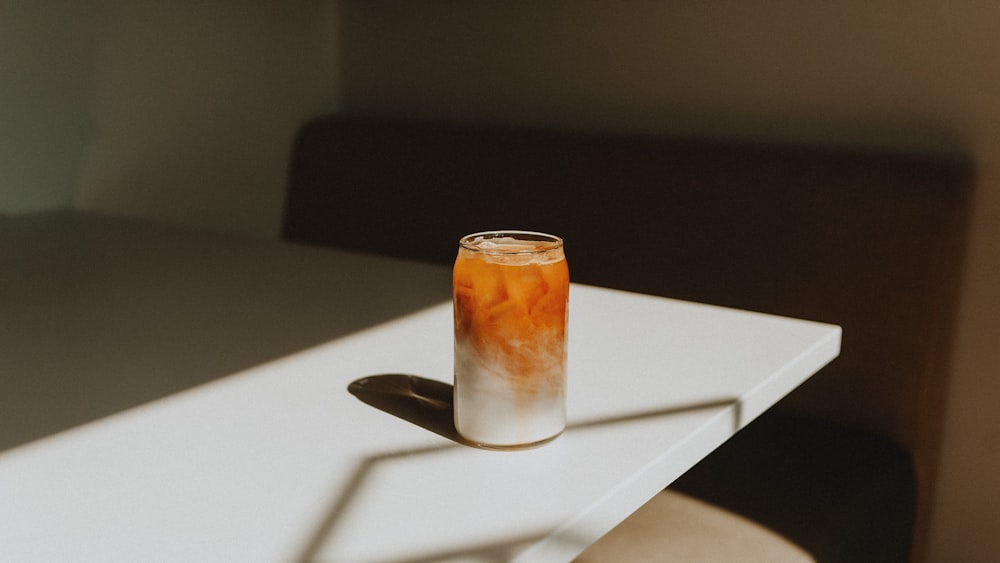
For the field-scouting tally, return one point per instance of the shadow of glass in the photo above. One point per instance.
(421, 401)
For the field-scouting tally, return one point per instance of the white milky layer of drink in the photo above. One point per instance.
(491, 408)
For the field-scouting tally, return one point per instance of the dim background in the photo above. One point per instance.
(184, 112)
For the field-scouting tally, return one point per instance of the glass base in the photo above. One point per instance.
(509, 447)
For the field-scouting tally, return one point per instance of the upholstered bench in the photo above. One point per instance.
(676, 527)
(843, 466)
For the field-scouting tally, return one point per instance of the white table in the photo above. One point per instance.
(214, 372)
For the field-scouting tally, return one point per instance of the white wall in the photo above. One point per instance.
(894, 74)
(46, 56)
(195, 106)
(177, 112)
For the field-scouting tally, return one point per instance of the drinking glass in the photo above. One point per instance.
(510, 293)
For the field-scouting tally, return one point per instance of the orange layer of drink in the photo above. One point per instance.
(510, 298)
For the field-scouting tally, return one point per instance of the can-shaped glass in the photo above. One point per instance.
(510, 294)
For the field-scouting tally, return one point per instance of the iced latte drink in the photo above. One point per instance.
(510, 298)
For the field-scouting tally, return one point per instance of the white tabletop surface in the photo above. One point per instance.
(172, 395)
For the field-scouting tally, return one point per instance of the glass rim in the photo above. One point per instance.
(554, 242)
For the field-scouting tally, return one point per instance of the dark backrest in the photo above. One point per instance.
(872, 242)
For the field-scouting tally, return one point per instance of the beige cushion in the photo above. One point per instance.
(675, 527)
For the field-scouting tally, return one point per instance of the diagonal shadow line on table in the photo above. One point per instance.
(428, 403)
